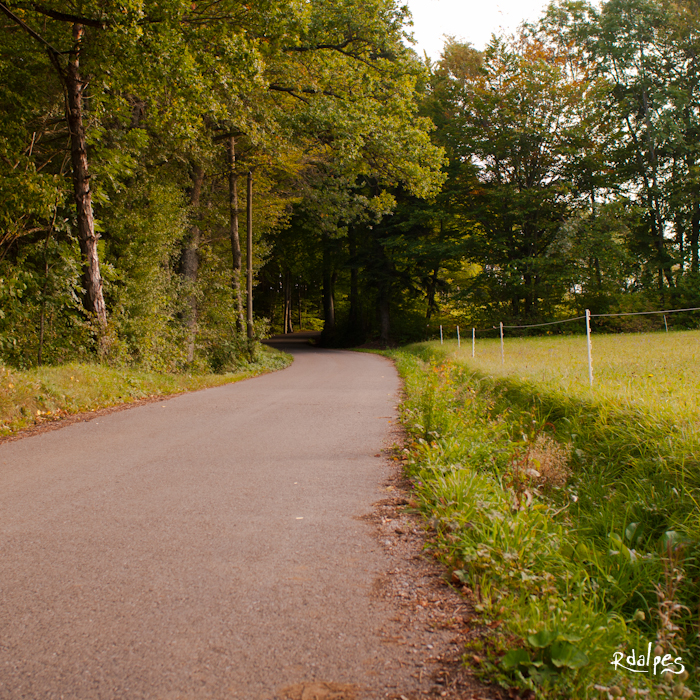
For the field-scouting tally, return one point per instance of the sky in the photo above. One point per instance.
(469, 20)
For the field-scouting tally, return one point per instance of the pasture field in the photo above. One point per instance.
(570, 515)
(656, 371)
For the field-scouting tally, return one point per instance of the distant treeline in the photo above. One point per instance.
(555, 171)
(574, 163)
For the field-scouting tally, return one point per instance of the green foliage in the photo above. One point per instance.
(43, 283)
(319, 99)
(146, 228)
(549, 652)
(571, 181)
(525, 124)
(630, 46)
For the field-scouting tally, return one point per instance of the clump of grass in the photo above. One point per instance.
(49, 393)
(546, 462)
(563, 516)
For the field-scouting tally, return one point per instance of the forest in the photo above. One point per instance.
(554, 171)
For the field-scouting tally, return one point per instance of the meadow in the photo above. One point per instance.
(568, 514)
(657, 371)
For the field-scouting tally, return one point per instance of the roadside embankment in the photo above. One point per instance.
(571, 523)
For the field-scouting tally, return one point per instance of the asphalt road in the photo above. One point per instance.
(208, 546)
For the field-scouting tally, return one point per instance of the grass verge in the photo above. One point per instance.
(573, 522)
(44, 394)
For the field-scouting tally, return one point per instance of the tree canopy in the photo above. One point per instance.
(554, 171)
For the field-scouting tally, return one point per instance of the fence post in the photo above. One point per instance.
(440, 334)
(473, 340)
(459, 340)
(588, 338)
(503, 357)
(665, 324)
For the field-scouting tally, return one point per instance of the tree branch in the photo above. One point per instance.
(228, 134)
(29, 30)
(307, 91)
(289, 91)
(342, 49)
(73, 19)
(316, 47)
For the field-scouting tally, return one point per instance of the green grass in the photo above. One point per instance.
(49, 393)
(571, 515)
(660, 371)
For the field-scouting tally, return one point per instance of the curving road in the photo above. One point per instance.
(208, 546)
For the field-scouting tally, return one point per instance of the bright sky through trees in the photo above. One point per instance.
(468, 21)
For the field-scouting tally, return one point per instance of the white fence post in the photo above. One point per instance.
(503, 357)
(665, 324)
(473, 340)
(440, 334)
(459, 340)
(590, 356)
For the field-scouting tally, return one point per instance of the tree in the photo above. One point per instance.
(73, 83)
(646, 51)
(168, 103)
(516, 120)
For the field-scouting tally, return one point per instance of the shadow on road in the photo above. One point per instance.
(294, 341)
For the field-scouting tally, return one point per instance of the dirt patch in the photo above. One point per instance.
(433, 618)
(319, 691)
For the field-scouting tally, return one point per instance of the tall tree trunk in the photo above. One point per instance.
(694, 234)
(354, 320)
(249, 262)
(527, 297)
(328, 291)
(73, 86)
(44, 288)
(694, 239)
(274, 298)
(285, 304)
(595, 261)
(384, 292)
(87, 237)
(299, 299)
(680, 242)
(598, 274)
(653, 200)
(432, 286)
(189, 265)
(287, 287)
(235, 238)
(383, 310)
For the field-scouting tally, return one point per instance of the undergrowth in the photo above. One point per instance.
(574, 525)
(49, 393)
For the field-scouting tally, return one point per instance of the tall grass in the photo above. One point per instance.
(572, 515)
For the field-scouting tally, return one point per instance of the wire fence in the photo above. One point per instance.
(587, 318)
